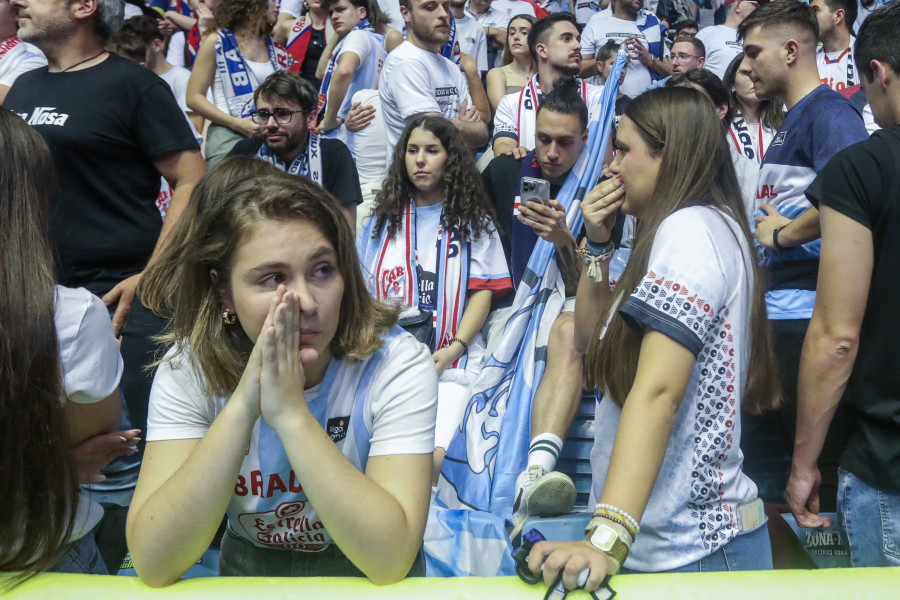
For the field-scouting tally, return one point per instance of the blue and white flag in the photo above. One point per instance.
(466, 532)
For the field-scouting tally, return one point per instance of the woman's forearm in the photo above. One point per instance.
(176, 511)
(380, 534)
(591, 304)
(649, 413)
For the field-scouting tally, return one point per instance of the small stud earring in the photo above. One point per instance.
(228, 317)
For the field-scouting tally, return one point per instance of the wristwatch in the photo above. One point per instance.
(606, 539)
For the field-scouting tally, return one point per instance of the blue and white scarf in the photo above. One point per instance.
(465, 534)
(390, 266)
(308, 164)
(377, 40)
(238, 81)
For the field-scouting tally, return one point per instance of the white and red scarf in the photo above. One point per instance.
(529, 99)
(391, 262)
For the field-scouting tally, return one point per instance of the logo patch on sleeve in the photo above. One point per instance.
(337, 428)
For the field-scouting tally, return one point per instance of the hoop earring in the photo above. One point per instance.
(228, 317)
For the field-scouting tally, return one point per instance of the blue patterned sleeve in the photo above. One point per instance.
(683, 288)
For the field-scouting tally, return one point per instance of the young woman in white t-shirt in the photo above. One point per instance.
(287, 397)
(59, 377)
(432, 245)
(677, 349)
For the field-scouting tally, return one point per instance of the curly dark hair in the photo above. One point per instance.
(233, 13)
(466, 206)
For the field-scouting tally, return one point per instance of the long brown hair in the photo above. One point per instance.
(771, 110)
(466, 206)
(507, 53)
(37, 474)
(224, 208)
(678, 125)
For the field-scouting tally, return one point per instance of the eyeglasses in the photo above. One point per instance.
(282, 116)
(683, 56)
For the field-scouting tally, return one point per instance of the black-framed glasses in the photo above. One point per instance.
(282, 116)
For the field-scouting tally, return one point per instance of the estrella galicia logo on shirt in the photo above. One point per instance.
(45, 115)
(337, 428)
(779, 139)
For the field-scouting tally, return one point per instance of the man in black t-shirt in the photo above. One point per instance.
(286, 113)
(113, 128)
(850, 348)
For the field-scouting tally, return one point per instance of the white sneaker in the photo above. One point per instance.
(541, 494)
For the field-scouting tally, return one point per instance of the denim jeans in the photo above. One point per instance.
(871, 521)
(240, 558)
(750, 551)
(81, 556)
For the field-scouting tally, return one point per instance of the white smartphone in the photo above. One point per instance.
(532, 188)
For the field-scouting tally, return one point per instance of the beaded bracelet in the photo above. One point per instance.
(464, 344)
(611, 510)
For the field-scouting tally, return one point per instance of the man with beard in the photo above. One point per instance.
(16, 57)
(555, 45)
(286, 114)
(641, 33)
(834, 56)
(416, 80)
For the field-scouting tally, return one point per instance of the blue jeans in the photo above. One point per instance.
(750, 551)
(871, 521)
(81, 556)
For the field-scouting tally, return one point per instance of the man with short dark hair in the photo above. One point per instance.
(113, 128)
(355, 64)
(555, 45)
(561, 133)
(850, 350)
(286, 115)
(16, 57)
(687, 53)
(834, 57)
(780, 60)
(417, 81)
(641, 33)
(721, 41)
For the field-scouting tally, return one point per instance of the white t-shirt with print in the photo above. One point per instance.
(601, 29)
(697, 291)
(383, 405)
(415, 81)
(837, 70)
(721, 45)
(472, 41)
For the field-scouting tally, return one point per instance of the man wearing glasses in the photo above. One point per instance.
(687, 53)
(721, 41)
(286, 115)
